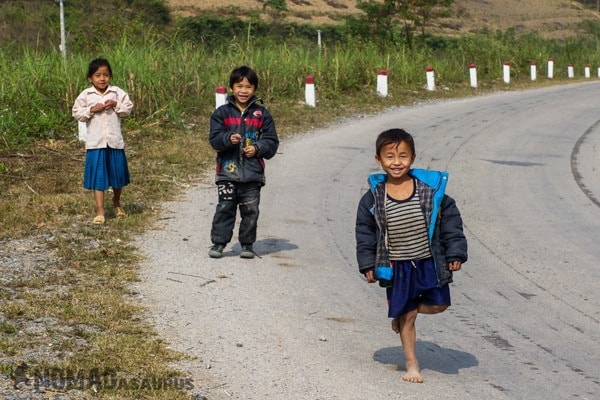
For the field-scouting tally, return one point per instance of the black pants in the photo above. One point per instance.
(246, 195)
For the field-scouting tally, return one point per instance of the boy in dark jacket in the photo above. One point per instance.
(409, 237)
(243, 134)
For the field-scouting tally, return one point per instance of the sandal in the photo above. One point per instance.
(98, 220)
(119, 212)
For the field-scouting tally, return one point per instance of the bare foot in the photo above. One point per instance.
(413, 374)
(396, 325)
(413, 377)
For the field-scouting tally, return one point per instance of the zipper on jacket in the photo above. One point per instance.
(242, 130)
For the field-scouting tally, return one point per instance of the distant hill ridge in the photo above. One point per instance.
(550, 18)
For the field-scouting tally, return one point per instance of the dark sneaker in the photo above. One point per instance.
(247, 251)
(216, 251)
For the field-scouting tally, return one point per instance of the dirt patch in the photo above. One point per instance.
(550, 18)
(311, 6)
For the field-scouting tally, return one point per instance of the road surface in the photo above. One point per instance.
(300, 322)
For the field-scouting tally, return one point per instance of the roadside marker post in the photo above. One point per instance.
(430, 78)
(220, 96)
(309, 91)
(63, 41)
(586, 71)
(473, 75)
(506, 71)
(382, 84)
(319, 39)
(570, 71)
(81, 130)
(533, 70)
(550, 68)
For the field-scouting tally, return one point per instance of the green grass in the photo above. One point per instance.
(172, 80)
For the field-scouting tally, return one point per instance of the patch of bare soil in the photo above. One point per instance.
(550, 18)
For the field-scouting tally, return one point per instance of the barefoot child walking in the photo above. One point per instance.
(101, 107)
(409, 237)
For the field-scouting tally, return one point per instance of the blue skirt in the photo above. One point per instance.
(415, 282)
(105, 167)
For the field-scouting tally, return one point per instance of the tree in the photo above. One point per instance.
(424, 11)
(379, 17)
(383, 16)
(277, 8)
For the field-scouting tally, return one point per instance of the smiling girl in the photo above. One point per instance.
(101, 107)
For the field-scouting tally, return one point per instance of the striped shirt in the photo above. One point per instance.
(406, 229)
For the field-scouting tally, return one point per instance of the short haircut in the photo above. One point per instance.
(394, 136)
(96, 64)
(238, 75)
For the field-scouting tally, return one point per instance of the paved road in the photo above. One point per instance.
(301, 323)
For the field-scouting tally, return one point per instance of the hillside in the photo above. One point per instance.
(550, 18)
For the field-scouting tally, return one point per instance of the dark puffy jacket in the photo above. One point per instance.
(447, 241)
(257, 128)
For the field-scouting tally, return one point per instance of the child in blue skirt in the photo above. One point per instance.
(409, 237)
(101, 107)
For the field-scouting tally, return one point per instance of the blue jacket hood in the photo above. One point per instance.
(434, 179)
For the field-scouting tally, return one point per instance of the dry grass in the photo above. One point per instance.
(67, 282)
(550, 18)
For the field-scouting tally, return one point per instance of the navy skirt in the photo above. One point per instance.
(105, 167)
(415, 282)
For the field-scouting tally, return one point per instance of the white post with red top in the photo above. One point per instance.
(382, 84)
(430, 78)
(586, 70)
(550, 68)
(533, 71)
(309, 91)
(570, 71)
(473, 75)
(220, 96)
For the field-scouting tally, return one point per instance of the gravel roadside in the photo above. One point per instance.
(22, 260)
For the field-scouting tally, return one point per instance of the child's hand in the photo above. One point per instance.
(236, 138)
(249, 151)
(370, 276)
(110, 104)
(96, 108)
(454, 265)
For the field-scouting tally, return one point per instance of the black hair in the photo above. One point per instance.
(394, 136)
(238, 75)
(97, 63)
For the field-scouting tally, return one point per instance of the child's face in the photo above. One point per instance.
(243, 91)
(101, 78)
(396, 160)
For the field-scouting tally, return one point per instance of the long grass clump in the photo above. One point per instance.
(172, 80)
